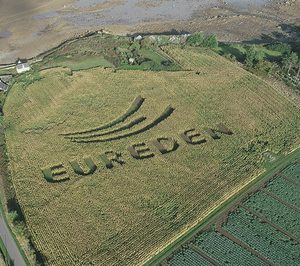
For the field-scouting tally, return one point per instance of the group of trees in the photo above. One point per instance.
(288, 64)
(253, 57)
(131, 51)
(256, 58)
(199, 39)
(290, 61)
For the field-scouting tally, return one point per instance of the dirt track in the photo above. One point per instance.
(10, 243)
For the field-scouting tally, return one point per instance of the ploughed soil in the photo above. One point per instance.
(30, 27)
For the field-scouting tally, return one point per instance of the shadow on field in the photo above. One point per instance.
(289, 33)
(13, 205)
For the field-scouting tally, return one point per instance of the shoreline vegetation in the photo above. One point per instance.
(52, 23)
(99, 49)
(144, 51)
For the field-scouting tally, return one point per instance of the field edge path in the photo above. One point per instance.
(10, 242)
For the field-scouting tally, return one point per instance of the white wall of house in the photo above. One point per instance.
(22, 68)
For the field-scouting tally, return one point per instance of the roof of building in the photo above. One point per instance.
(21, 61)
(138, 38)
(23, 65)
(3, 85)
(6, 78)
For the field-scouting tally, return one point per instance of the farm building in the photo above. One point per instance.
(6, 78)
(22, 66)
(3, 86)
(138, 38)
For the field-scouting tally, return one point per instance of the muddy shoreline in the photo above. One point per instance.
(40, 28)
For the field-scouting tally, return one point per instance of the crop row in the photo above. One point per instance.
(275, 238)
(188, 257)
(224, 250)
(285, 190)
(275, 212)
(262, 237)
(292, 172)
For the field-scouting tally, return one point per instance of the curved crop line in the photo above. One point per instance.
(135, 106)
(127, 126)
(164, 115)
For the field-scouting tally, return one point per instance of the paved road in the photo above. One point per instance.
(10, 243)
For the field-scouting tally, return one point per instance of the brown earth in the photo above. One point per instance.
(32, 27)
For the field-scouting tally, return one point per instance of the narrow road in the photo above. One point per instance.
(10, 243)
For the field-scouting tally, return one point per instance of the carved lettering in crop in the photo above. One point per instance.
(192, 137)
(140, 151)
(109, 157)
(221, 128)
(55, 173)
(165, 145)
(90, 166)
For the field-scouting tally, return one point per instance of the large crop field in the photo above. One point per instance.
(82, 209)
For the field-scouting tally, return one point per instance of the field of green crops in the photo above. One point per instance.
(105, 205)
(263, 229)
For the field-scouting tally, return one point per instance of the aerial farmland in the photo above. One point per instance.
(154, 146)
(84, 157)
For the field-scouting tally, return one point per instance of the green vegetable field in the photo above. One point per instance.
(261, 229)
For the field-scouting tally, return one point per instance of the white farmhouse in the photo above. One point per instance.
(138, 38)
(22, 66)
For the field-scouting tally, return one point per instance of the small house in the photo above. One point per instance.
(3, 86)
(138, 38)
(22, 66)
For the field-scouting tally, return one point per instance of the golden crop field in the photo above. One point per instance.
(123, 213)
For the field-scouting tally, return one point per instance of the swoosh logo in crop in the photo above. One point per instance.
(121, 127)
